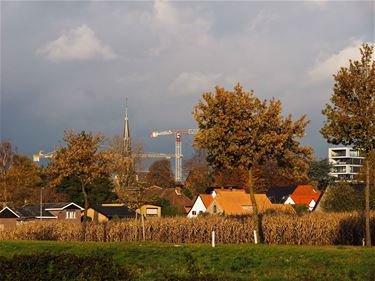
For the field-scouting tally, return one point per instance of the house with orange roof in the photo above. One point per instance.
(204, 200)
(305, 195)
(233, 202)
(239, 203)
(200, 205)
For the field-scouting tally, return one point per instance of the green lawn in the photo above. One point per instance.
(157, 261)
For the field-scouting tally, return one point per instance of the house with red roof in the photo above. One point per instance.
(305, 195)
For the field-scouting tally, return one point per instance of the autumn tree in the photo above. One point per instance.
(82, 158)
(23, 181)
(362, 175)
(198, 179)
(123, 166)
(197, 172)
(271, 174)
(342, 197)
(133, 197)
(265, 175)
(318, 173)
(7, 156)
(351, 113)
(100, 190)
(230, 178)
(241, 131)
(160, 174)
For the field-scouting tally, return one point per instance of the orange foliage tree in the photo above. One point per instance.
(239, 131)
(82, 158)
(351, 113)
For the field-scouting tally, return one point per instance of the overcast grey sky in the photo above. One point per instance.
(71, 64)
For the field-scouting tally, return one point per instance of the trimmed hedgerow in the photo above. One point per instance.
(62, 267)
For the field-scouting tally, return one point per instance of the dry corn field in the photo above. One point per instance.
(308, 229)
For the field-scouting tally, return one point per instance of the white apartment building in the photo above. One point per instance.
(346, 162)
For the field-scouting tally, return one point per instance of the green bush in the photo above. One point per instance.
(167, 210)
(341, 197)
(301, 209)
(50, 267)
(187, 193)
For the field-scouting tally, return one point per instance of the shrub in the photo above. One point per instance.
(341, 197)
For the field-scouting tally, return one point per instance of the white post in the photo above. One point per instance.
(143, 228)
(213, 239)
(255, 237)
(41, 203)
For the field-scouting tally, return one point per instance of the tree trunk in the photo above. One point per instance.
(5, 203)
(136, 226)
(85, 197)
(367, 205)
(255, 216)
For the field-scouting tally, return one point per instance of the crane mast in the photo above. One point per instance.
(178, 148)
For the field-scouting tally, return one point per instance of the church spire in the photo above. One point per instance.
(127, 142)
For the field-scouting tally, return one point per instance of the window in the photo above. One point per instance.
(357, 161)
(247, 207)
(338, 153)
(194, 213)
(70, 215)
(355, 169)
(151, 212)
(339, 169)
(215, 209)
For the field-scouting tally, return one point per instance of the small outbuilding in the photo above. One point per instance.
(106, 212)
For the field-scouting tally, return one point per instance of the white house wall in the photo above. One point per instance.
(289, 201)
(312, 205)
(197, 208)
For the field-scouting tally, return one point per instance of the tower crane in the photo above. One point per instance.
(37, 157)
(178, 151)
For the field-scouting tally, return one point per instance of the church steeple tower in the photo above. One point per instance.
(127, 141)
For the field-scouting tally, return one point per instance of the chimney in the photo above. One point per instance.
(178, 190)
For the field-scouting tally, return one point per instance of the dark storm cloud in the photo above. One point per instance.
(71, 64)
